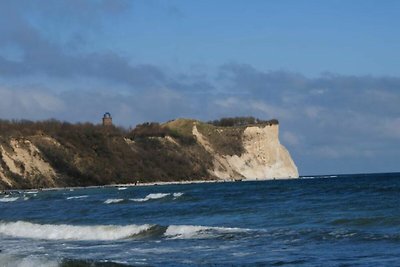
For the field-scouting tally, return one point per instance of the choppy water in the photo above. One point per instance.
(349, 220)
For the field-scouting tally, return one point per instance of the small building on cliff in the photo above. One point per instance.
(107, 119)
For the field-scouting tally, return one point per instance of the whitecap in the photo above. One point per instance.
(31, 192)
(122, 188)
(23, 229)
(26, 261)
(197, 231)
(113, 200)
(77, 197)
(8, 199)
(151, 196)
(178, 194)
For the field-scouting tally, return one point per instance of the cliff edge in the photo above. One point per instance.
(56, 154)
(263, 157)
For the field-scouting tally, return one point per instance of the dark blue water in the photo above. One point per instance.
(351, 220)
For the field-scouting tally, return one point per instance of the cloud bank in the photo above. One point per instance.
(331, 123)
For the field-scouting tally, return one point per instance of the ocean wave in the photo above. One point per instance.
(154, 196)
(367, 221)
(9, 260)
(327, 235)
(12, 260)
(197, 231)
(319, 177)
(31, 192)
(122, 188)
(22, 229)
(8, 199)
(151, 197)
(178, 194)
(77, 197)
(113, 200)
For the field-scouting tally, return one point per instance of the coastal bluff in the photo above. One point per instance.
(58, 154)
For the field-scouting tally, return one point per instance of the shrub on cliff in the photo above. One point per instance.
(241, 121)
(154, 129)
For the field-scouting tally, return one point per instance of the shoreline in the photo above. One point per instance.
(161, 183)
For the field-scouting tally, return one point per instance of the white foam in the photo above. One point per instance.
(113, 200)
(7, 260)
(77, 197)
(176, 195)
(23, 229)
(122, 188)
(196, 231)
(151, 196)
(8, 199)
(32, 192)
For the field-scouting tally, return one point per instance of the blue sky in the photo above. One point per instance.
(328, 70)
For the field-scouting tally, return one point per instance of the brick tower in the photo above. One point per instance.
(107, 120)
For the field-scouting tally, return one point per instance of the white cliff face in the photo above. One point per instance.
(264, 157)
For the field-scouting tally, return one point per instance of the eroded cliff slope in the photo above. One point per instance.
(53, 154)
(263, 156)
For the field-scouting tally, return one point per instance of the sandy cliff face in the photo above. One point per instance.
(20, 158)
(57, 154)
(263, 158)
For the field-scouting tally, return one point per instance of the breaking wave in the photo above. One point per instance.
(8, 199)
(13, 260)
(154, 196)
(196, 231)
(31, 192)
(151, 196)
(176, 195)
(77, 197)
(113, 200)
(319, 177)
(22, 229)
(26, 261)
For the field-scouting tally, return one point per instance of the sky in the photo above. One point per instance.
(329, 71)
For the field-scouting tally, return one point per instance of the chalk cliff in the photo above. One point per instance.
(53, 154)
(263, 157)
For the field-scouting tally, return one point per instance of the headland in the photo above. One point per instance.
(51, 154)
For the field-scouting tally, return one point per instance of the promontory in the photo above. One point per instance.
(59, 154)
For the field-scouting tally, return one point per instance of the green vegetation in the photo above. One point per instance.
(242, 121)
(86, 154)
(225, 140)
(154, 129)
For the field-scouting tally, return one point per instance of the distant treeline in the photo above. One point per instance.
(54, 127)
(241, 121)
(148, 129)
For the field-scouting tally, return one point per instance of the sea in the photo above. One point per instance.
(334, 220)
